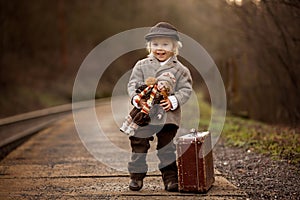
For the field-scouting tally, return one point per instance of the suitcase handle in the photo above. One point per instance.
(193, 131)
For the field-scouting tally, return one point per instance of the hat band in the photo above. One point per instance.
(162, 32)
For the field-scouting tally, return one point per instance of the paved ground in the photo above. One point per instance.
(54, 164)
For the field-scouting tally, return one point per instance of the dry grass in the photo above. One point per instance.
(278, 141)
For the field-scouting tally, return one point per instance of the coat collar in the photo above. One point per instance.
(171, 62)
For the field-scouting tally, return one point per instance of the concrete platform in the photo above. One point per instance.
(54, 164)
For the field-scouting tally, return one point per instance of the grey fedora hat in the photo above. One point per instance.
(162, 29)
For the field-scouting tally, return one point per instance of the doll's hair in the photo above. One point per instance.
(165, 93)
(176, 46)
(150, 81)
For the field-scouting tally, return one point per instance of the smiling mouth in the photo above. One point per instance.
(161, 53)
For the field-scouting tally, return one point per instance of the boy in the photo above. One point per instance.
(162, 43)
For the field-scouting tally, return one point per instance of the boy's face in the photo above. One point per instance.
(162, 48)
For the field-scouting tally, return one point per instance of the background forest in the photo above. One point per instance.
(255, 45)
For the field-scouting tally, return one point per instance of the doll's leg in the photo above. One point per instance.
(126, 124)
(166, 154)
(128, 120)
(131, 129)
(134, 111)
(140, 119)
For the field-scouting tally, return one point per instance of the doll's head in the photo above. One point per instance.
(163, 41)
(150, 81)
(166, 83)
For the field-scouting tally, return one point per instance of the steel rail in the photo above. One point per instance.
(16, 129)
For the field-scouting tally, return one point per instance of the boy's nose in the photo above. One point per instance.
(160, 49)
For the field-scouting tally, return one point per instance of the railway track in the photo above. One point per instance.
(16, 129)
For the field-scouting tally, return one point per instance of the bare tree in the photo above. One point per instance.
(271, 43)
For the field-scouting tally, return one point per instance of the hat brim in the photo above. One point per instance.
(150, 36)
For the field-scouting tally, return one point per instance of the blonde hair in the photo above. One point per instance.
(176, 46)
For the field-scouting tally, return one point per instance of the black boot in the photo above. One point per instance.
(136, 181)
(172, 186)
(135, 185)
(170, 177)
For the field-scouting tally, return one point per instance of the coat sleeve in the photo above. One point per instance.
(183, 88)
(135, 78)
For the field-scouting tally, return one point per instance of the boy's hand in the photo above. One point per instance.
(166, 104)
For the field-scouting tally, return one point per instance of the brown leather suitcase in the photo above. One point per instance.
(195, 162)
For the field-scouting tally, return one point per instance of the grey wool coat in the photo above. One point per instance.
(150, 67)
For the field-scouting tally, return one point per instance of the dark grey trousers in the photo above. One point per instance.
(140, 143)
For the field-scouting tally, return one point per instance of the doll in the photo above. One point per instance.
(153, 91)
